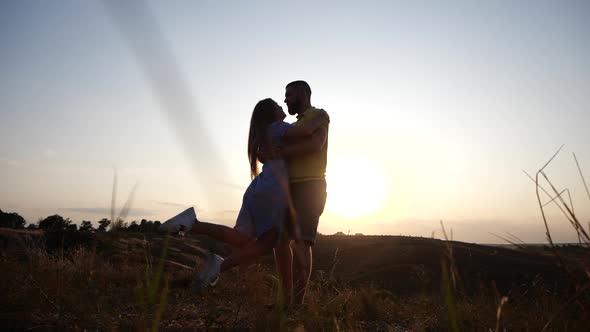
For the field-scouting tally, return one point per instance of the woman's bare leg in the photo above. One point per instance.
(221, 233)
(253, 250)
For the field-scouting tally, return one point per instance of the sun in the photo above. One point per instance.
(356, 187)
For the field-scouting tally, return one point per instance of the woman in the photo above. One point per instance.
(265, 203)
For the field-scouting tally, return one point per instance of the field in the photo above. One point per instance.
(133, 281)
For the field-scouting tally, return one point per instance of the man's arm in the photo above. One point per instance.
(311, 145)
(309, 127)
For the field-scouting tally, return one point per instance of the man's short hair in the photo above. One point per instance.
(301, 86)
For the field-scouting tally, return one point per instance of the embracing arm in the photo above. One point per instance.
(307, 146)
(310, 127)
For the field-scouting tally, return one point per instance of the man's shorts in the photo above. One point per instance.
(309, 199)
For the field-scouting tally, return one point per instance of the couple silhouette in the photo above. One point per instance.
(282, 205)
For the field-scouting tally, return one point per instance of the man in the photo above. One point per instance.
(307, 176)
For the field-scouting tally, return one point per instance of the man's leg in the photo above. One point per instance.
(302, 264)
(309, 199)
(284, 263)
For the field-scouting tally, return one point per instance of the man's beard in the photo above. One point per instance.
(294, 108)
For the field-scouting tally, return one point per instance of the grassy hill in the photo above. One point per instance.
(116, 281)
(407, 264)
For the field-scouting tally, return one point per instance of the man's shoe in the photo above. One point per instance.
(210, 273)
(181, 222)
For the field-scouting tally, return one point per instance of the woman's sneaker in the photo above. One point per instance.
(186, 219)
(210, 273)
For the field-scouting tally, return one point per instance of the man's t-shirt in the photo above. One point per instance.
(310, 166)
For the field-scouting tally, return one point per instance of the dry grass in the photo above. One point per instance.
(100, 287)
(580, 282)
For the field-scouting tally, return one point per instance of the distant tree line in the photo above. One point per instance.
(342, 234)
(59, 223)
(144, 226)
(11, 220)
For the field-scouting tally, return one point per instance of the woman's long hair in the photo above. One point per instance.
(264, 114)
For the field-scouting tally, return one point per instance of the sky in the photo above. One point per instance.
(436, 108)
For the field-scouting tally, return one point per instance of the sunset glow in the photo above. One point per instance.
(356, 188)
